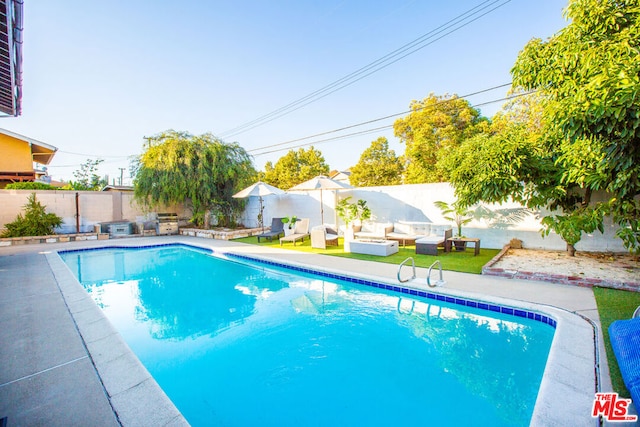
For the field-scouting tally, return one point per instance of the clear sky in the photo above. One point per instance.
(100, 76)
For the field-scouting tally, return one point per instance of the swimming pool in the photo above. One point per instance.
(247, 345)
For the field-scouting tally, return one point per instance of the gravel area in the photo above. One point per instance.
(594, 265)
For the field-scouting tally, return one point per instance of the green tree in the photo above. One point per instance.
(295, 167)
(378, 165)
(517, 160)
(35, 222)
(590, 74)
(203, 171)
(435, 126)
(87, 178)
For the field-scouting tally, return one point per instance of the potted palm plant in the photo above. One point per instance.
(459, 216)
(351, 213)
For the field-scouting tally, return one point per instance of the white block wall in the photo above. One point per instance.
(415, 202)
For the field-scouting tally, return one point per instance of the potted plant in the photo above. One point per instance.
(458, 215)
(289, 223)
(352, 213)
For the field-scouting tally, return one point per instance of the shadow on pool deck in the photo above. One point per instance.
(62, 363)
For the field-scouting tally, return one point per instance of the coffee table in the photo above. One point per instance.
(374, 247)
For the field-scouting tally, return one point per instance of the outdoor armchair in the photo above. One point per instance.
(323, 236)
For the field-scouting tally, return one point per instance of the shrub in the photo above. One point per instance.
(35, 222)
(30, 186)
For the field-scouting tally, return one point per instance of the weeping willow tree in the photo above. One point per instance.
(200, 171)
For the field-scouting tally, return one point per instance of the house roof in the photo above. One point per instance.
(117, 188)
(11, 57)
(42, 152)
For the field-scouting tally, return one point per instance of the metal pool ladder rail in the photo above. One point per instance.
(413, 265)
(439, 282)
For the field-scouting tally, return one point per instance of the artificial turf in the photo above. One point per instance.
(614, 304)
(464, 262)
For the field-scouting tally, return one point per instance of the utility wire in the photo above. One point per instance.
(381, 63)
(91, 155)
(367, 131)
(380, 118)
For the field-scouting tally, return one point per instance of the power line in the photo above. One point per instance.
(380, 118)
(91, 155)
(421, 42)
(367, 131)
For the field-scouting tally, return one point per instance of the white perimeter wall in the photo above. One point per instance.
(94, 207)
(415, 202)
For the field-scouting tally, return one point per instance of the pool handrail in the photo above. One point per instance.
(439, 282)
(413, 265)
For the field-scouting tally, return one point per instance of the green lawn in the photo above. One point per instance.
(464, 262)
(614, 305)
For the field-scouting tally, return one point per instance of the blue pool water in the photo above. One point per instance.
(240, 344)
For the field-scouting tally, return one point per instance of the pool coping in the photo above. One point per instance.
(566, 394)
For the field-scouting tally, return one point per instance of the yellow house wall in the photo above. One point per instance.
(15, 155)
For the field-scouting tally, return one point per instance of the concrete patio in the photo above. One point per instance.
(62, 363)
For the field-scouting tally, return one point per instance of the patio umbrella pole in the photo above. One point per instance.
(260, 215)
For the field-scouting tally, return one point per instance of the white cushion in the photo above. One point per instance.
(430, 239)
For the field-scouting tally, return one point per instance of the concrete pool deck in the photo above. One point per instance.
(62, 363)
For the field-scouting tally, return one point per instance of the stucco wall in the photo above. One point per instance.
(93, 207)
(416, 203)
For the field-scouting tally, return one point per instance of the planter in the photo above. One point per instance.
(460, 245)
(288, 231)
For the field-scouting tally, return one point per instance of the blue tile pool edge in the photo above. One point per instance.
(465, 302)
(496, 308)
(137, 247)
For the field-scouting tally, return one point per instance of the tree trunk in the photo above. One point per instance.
(571, 250)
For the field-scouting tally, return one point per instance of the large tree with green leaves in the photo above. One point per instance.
(378, 165)
(589, 73)
(295, 167)
(200, 170)
(517, 160)
(435, 126)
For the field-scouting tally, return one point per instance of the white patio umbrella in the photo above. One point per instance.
(259, 189)
(320, 182)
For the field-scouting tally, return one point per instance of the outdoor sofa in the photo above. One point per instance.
(406, 231)
(372, 230)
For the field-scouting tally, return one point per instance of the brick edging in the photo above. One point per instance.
(222, 235)
(489, 270)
